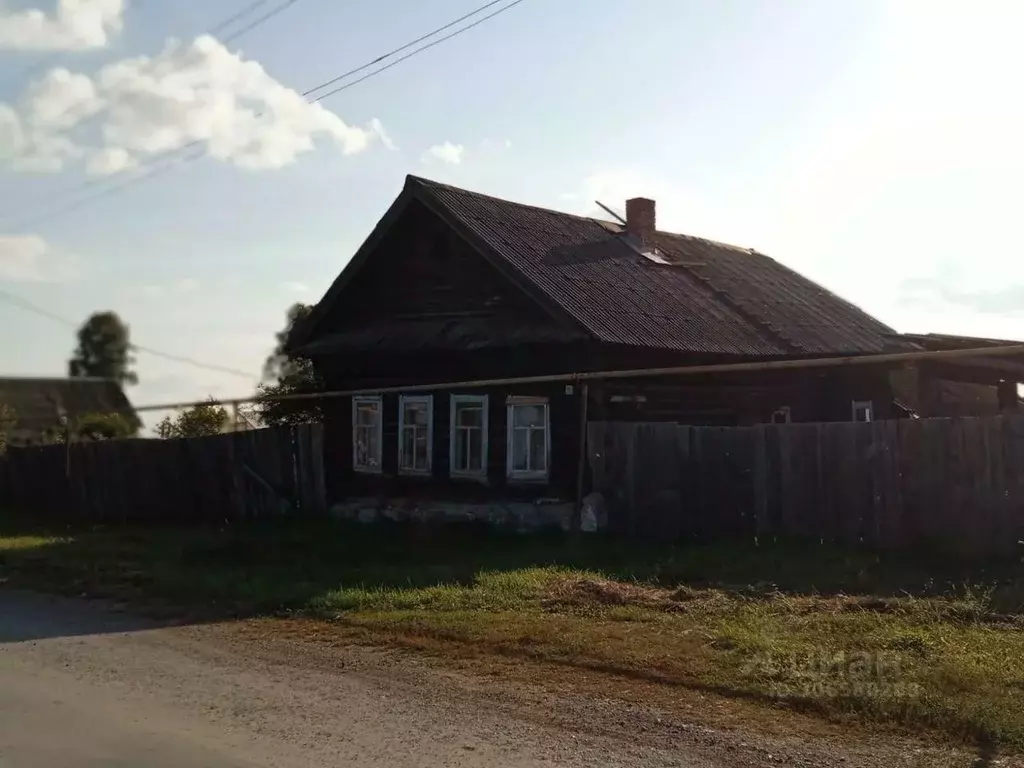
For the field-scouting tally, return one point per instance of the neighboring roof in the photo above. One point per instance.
(37, 401)
(710, 298)
(948, 341)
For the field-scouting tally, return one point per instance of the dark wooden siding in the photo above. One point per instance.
(564, 424)
(423, 275)
(423, 271)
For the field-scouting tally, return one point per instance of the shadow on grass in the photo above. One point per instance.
(436, 575)
(268, 568)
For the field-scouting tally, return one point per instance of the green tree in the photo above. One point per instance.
(198, 421)
(103, 350)
(8, 418)
(284, 374)
(102, 426)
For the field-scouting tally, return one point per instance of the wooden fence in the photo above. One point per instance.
(948, 485)
(243, 475)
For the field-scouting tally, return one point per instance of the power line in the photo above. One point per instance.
(180, 151)
(408, 45)
(257, 22)
(219, 27)
(225, 23)
(157, 170)
(29, 306)
(181, 154)
(759, 366)
(419, 50)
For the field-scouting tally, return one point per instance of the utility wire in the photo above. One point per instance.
(183, 156)
(416, 52)
(219, 27)
(258, 21)
(408, 45)
(181, 151)
(17, 301)
(241, 14)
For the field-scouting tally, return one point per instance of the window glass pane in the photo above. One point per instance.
(416, 413)
(538, 456)
(420, 450)
(366, 414)
(520, 449)
(361, 448)
(476, 449)
(408, 439)
(528, 415)
(366, 447)
(469, 415)
(461, 448)
(373, 446)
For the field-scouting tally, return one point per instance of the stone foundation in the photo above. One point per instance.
(521, 516)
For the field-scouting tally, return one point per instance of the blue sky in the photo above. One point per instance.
(874, 146)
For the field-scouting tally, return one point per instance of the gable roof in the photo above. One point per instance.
(709, 298)
(37, 401)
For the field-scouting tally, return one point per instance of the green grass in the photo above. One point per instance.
(845, 634)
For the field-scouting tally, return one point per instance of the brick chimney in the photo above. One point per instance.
(640, 219)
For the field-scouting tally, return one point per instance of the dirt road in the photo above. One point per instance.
(82, 686)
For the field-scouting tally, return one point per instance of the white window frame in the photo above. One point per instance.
(427, 400)
(785, 411)
(865, 405)
(356, 402)
(531, 474)
(474, 474)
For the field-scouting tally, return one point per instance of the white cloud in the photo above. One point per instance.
(191, 92)
(446, 153)
(109, 160)
(73, 26)
(377, 128)
(29, 258)
(295, 286)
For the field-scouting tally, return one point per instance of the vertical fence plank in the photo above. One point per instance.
(948, 485)
(167, 481)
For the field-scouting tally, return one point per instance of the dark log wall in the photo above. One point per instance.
(422, 271)
(564, 424)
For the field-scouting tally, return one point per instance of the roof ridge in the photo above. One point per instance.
(422, 180)
(432, 183)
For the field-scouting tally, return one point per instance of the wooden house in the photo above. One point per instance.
(456, 286)
(41, 408)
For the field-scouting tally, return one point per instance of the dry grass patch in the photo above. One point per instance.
(844, 635)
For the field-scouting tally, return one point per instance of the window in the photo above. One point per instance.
(863, 410)
(781, 415)
(529, 441)
(366, 434)
(415, 434)
(469, 436)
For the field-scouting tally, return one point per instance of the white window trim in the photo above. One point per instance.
(474, 474)
(867, 405)
(428, 400)
(519, 474)
(356, 401)
(785, 411)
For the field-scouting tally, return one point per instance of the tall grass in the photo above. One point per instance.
(934, 645)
